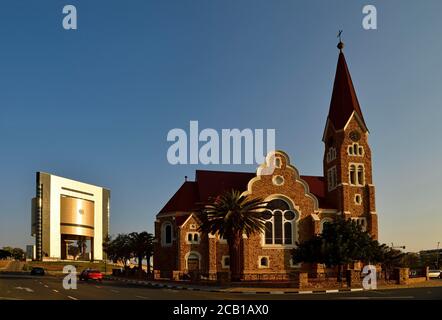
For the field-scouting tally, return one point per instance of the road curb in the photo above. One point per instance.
(276, 292)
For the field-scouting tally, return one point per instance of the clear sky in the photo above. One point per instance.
(96, 104)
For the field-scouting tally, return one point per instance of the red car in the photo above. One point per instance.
(91, 274)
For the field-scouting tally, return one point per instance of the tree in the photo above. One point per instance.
(390, 258)
(231, 215)
(340, 243)
(120, 250)
(412, 260)
(142, 247)
(73, 250)
(106, 244)
(16, 253)
(4, 254)
(81, 243)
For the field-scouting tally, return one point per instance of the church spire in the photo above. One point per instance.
(344, 100)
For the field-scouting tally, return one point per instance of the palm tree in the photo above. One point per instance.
(142, 246)
(231, 215)
(81, 243)
(119, 249)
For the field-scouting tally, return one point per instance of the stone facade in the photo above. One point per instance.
(299, 206)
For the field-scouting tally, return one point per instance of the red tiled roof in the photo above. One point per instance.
(344, 100)
(317, 187)
(209, 184)
(214, 183)
(184, 199)
(179, 220)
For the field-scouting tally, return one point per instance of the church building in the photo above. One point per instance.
(299, 205)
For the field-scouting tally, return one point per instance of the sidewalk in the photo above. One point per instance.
(255, 290)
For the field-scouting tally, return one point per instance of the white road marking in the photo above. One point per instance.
(46, 286)
(115, 291)
(376, 298)
(54, 290)
(141, 297)
(98, 287)
(72, 298)
(26, 289)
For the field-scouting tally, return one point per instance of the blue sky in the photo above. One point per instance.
(96, 104)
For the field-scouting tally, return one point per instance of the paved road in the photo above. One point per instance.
(50, 288)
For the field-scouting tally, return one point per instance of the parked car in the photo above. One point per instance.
(434, 274)
(91, 274)
(37, 271)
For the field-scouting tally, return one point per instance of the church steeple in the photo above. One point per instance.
(344, 100)
(347, 155)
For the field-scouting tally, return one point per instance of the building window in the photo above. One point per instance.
(278, 162)
(263, 262)
(280, 223)
(166, 234)
(332, 178)
(358, 199)
(193, 238)
(355, 150)
(278, 180)
(331, 154)
(360, 175)
(323, 222)
(362, 222)
(356, 174)
(193, 261)
(225, 262)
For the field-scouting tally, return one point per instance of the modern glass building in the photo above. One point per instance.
(70, 219)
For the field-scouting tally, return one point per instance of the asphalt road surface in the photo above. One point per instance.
(16, 286)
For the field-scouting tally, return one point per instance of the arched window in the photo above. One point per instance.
(352, 174)
(331, 154)
(263, 262)
(355, 150)
(169, 234)
(357, 175)
(288, 233)
(193, 238)
(193, 261)
(332, 178)
(166, 234)
(280, 224)
(361, 175)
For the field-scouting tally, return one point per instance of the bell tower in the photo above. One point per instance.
(347, 155)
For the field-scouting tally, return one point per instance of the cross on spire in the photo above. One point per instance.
(340, 44)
